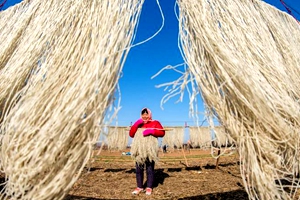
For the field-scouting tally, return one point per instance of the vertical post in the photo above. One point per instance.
(217, 162)
(186, 162)
(185, 124)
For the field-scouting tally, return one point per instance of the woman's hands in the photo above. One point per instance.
(138, 123)
(148, 132)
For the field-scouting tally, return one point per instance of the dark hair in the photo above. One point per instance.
(144, 111)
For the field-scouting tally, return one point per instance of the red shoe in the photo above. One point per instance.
(148, 191)
(137, 190)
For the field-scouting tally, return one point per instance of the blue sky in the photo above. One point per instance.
(137, 88)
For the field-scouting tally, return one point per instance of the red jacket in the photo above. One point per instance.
(158, 129)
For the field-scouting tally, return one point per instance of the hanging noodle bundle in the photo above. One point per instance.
(174, 137)
(60, 62)
(143, 148)
(178, 134)
(117, 138)
(222, 138)
(200, 137)
(168, 139)
(244, 55)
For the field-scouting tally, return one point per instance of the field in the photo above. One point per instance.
(178, 175)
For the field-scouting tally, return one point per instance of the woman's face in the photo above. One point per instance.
(145, 117)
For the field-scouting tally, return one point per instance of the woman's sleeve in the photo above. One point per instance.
(133, 130)
(159, 130)
(135, 127)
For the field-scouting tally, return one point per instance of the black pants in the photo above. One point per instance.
(140, 173)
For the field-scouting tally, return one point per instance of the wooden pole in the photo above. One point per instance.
(186, 163)
(217, 162)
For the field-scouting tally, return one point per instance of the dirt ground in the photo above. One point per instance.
(178, 175)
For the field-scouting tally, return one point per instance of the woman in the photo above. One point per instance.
(144, 148)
